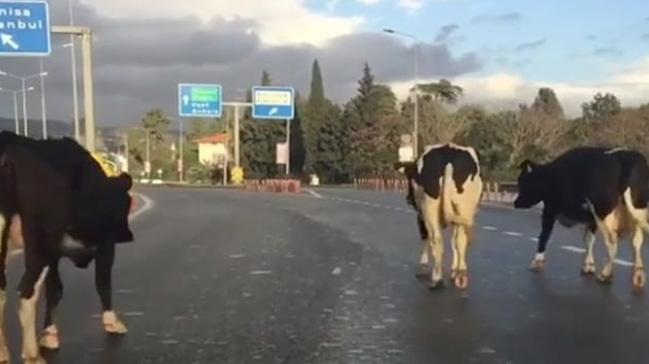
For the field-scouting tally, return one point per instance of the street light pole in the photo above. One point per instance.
(75, 92)
(24, 92)
(15, 93)
(25, 126)
(43, 106)
(416, 42)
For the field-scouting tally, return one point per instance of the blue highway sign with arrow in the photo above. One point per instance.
(24, 28)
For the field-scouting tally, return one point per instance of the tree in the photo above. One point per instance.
(156, 122)
(322, 131)
(603, 107)
(265, 78)
(443, 91)
(546, 102)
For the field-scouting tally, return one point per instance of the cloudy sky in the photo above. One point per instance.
(499, 51)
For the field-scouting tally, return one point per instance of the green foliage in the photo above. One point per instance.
(546, 102)
(442, 91)
(603, 107)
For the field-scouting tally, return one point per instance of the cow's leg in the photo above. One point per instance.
(611, 240)
(422, 270)
(462, 278)
(30, 287)
(589, 261)
(454, 247)
(639, 276)
(103, 282)
(53, 294)
(4, 247)
(547, 224)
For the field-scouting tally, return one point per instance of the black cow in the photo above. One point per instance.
(66, 207)
(597, 187)
(445, 187)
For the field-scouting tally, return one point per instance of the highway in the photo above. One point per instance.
(327, 276)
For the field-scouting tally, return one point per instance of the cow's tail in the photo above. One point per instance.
(449, 209)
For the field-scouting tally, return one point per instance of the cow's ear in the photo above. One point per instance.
(527, 166)
(124, 181)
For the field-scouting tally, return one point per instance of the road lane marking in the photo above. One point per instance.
(336, 271)
(260, 272)
(536, 240)
(574, 249)
(512, 233)
(490, 228)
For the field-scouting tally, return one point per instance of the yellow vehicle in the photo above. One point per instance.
(110, 168)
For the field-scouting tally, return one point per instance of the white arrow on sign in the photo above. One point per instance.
(8, 40)
(273, 111)
(186, 99)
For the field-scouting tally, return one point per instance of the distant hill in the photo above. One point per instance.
(55, 128)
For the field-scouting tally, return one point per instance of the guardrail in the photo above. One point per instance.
(493, 191)
(274, 185)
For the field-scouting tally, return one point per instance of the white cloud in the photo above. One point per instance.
(369, 2)
(504, 90)
(411, 5)
(279, 21)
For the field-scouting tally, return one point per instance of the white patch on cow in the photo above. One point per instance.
(69, 243)
(27, 316)
(112, 324)
(4, 352)
(589, 259)
(615, 150)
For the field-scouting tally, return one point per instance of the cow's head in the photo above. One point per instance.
(101, 212)
(531, 185)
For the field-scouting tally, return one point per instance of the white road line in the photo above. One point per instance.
(574, 249)
(148, 205)
(490, 228)
(314, 193)
(512, 233)
(536, 240)
(260, 272)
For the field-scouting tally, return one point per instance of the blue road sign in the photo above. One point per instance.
(24, 28)
(199, 100)
(270, 102)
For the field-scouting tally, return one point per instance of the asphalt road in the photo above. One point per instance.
(237, 277)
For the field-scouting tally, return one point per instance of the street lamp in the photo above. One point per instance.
(73, 56)
(416, 69)
(24, 92)
(15, 96)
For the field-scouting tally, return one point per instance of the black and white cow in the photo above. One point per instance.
(445, 188)
(596, 187)
(66, 206)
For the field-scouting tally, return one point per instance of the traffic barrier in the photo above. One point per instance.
(493, 191)
(274, 185)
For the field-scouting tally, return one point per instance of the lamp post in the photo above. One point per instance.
(15, 97)
(75, 92)
(24, 92)
(416, 71)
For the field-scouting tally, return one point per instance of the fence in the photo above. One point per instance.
(493, 191)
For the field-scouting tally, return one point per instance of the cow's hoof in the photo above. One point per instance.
(588, 269)
(49, 341)
(435, 285)
(422, 271)
(639, 278)
(37, 360)
(537, 265)
(112, 324)
(605, 279)
(462, 280)
(115, 328)
(454, 273)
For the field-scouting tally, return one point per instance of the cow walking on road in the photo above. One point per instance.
(445, 187)
(56, 197)
(602, 189)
